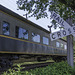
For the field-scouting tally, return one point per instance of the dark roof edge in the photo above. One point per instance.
(63, 40)
(10, 12)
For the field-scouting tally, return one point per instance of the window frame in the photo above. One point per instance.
(57, 45)
(65, 47)
(62, 45)
(17, 35)
(43, 40)
(36, 34)
(8, 25)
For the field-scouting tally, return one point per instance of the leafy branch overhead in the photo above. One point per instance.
(39, 8)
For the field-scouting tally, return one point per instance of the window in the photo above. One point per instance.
(65, 47)
(62, 45)
(5, 28)
(57, 44)
(35, 37)
(21, 33)
(45, 41)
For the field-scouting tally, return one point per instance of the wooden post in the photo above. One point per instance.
(70, 46)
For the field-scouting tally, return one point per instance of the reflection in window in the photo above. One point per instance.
(62, 45)
(5, 28)
(21, 33)
(45, 41)
(57, 44)
(35, 37)
(65, 47)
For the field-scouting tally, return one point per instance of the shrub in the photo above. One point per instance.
(61, 68)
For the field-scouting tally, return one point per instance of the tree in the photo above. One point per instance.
(39, 8)
(69, 3)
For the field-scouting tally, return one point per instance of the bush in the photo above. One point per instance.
(61, 68)
(18, 72)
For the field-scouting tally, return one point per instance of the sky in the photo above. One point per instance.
(44, 22)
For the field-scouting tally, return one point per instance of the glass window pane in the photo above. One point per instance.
(5, 28)
(65, 47)
(45, 41)
(21, 33)
(57, 44)
(35, 37)
(62, 45)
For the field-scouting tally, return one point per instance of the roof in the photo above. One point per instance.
(63, 40)
(10, 12)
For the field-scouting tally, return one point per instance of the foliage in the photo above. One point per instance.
(69, 3)
(55, 69)
(61, 68)
(36, 8)
(40, 8)
(18, 72)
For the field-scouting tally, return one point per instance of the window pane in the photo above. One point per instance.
(62, 45)
(45, 41)
(35, 37)
(5, 28)
(21, 33)
(65, 47)
(57, 44)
